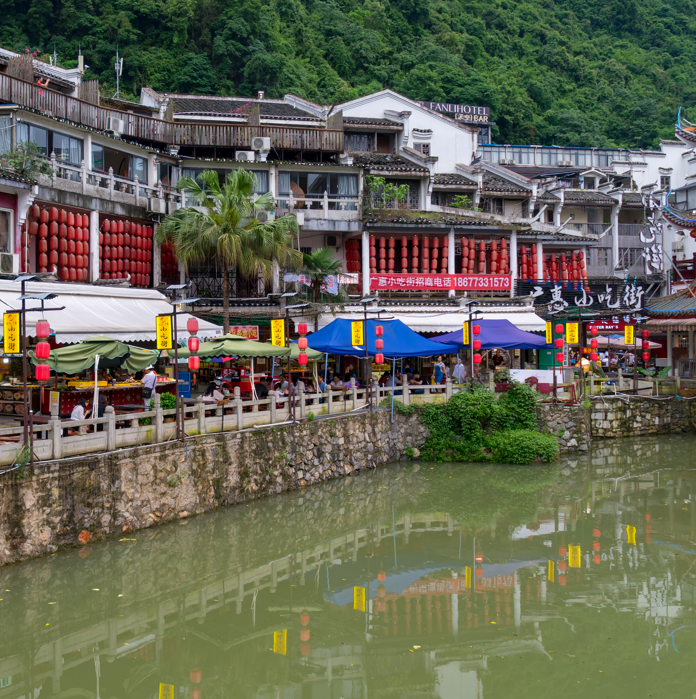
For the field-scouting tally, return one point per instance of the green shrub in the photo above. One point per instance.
(522, 447)
(167, 402)
(516, 408)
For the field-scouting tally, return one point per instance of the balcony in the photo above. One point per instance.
(630, 229)
(142, 128)
(317, 206)
(588, 228)
(80, 180)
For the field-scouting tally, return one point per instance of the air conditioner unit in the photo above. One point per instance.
(261, 143)
(564, 163)
(9, 264)
(507, 161)
(331, 241)
(245, 155)
(115, 125)
(264, 216)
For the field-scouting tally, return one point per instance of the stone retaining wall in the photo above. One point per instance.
(614, 417)
(64, 503)
(571, 424)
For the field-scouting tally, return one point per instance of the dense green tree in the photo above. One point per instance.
(569, 72)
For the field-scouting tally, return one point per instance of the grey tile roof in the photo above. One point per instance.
(496, 184)
(426, 219)
(586, 196)
(632, 199)
(448, 178)
(680, 304)
(12, 176)
(548, 198)
(368, 121)
(391, 163)
(236, 107)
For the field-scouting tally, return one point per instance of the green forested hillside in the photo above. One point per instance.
(570, 72)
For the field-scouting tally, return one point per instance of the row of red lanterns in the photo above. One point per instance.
(302, 345)
(476, 344)
(43, 350)
(379, 344)
(194, 363)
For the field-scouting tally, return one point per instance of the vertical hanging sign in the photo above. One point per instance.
(467, 577)
(11, 342)
(359, 599)
(280, 642)
(356, 333)
(574, 556)
(465, 334)
(166, 691)
(572, 334)
(549, 333)
(551, 574)
(278, 333)
(628, 335)
(165, 340)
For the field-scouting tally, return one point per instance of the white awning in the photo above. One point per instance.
(432, 321)
(126, 314)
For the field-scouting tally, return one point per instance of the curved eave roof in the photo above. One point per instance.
(678, 219)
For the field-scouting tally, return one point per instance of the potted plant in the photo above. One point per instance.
(167, 402)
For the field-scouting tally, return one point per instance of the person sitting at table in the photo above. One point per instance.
(416, 380)
(212, 394)
(261, 387)
(101, 408)
(79, 412)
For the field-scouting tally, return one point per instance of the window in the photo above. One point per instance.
(493, 206)
(167, 174)
(665, 182)
(306, 251)
(360, 142)
(308, 186)
(423, 148)
(603, 257)
(261, 176)
(589, 182)
(523, 156)
(66, 148)
(6, 235)
(5, 134)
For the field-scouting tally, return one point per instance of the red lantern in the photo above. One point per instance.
(302, 359)
(559, 343)
(479, 558)
(646, 345)
(596, 546)
(645, 334)
(42, 328)
(43, 350)
(477, 345)
(647, 517)
(379, 344)
(192, 326)
(193, 344)
(594, 356)
(302, 328)
(596, 559)
(562, 551)
(302, 343)
(379, 358)
(194, 363)
(559, 329)
(646, 356)
(594, 344)
(476, 329)
(594, 330)
(196, 693)
(43, 372)
(477, 359)
(479, 572)
(559, 357)
(379, 330)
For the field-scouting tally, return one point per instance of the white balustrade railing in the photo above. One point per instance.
(325, 205)
(58, 438)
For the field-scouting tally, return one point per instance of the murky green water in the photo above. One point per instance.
(197, 609)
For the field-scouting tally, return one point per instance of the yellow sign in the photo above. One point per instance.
(359, 599)
(165, 340)
(572, 334)
(628, 335)
(467, 577)
(280, 642)
(11, 329)
(54, 401)
(631, 533)
(356, 333)
(549, 333)
(166, 691)
(551, 575)
(278, 333)
(465, 334)
(574, 555)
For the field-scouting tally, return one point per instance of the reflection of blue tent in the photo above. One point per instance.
(496, 333)
(399, 340)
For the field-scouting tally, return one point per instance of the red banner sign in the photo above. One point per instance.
(455, 282)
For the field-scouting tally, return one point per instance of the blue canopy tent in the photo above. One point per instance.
(495, 333)
(399, 340)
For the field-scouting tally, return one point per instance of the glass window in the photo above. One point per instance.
(691, 198)
(665, 181)
(139, 169)
(5, 134)
(548, 157)
(261, 181)
(98, 158)
(29, 132)
(5, 230)
(67, 149)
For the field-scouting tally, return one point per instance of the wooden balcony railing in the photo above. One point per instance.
(142, 128)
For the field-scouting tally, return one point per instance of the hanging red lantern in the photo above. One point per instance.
(302, 328)
(646, 356)
(192, 326)
(379, 330)
(559, 357)
(379, 358)
(193, 344)
(594, 344)
(302, 359)
(43, 372)
(476, 329)
(43, 350)
(594, 356)
(646, 345)
(302, 343)
(477, 359)
(477, 345)
(559, 343)
(379, 344)
(645, 334)
(559, 329)
(194, 363)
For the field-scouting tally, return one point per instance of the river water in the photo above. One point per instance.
(583, 577)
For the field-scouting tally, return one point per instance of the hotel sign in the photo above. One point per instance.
(463, 112)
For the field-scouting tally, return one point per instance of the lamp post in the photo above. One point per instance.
(368, 373)
(292, 414)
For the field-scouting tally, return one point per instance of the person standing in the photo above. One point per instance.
(459, 372)
(440, 370)
(149, 381)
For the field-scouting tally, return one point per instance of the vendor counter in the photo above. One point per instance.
(124, 393)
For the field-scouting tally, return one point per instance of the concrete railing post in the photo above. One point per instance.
(110, 416)
(448, 389)
(302, 402)
(329, 400)
(355, 396)
(620, 379)
(158, 419)
(201, 415)
(238, 408)
(57, 433)
(405, 391)
(272, 407)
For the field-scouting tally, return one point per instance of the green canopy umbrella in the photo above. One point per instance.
(233, 346)
(74, 359)
(295, 351)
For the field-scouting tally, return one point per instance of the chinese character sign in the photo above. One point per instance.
(437, 282)
(652, 252)
(359, 599)
(574, 556)
(12, 344)
(356, 333)
(572, 334)
(628, 335)
(549, 332)
(278, 333)
(465, 333)
(165, 340)
(280, 642)
(612, 298)
(248, 332)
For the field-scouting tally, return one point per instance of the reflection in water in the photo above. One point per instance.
(478, 580)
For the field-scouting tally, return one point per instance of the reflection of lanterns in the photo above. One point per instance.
(479, 572)
(562, 565)
(304, 634)
(595, 546)
(304, 650)
(648, 539)
(597, 558)
(196, 693)
(596, 533)
(562, 551)
(304, 618)
(196, 676)
(648, 528)
(647, 516)
(381, 591)
(562, 580)
(479, 558)
(381, 605)
(381, 576)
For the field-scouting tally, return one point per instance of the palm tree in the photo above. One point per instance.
(318, 265)
(224, 221)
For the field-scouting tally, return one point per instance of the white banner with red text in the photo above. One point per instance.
(455, 282)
